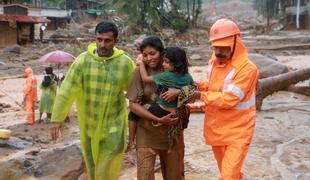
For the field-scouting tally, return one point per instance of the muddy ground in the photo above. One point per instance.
(280, 148)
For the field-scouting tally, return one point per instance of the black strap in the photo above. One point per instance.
(233, 51)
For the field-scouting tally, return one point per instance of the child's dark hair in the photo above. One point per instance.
(49, 70)
(152, 41)
(107, 26)
(177, 58)
(47, 81)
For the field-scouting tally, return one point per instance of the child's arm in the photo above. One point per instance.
(145, 77)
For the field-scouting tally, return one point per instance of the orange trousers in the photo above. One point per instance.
(30, 106)
(230, 159)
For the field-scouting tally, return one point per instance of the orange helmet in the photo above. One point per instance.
(223, 28)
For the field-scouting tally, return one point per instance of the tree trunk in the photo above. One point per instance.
(188, 11)
(143, 20)
(297, 14)
(193, 12)
(268, 86)
(196, 13)
(305, 90)
(268, 15)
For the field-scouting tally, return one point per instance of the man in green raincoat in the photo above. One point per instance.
(96, 81)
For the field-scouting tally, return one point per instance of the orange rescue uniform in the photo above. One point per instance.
(30, 95)
(229, 97)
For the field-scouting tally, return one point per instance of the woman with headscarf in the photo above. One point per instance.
(48, 93)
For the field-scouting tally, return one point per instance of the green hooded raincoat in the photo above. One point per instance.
(97, 84)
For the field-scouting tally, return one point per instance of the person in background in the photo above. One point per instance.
(42, 29)
(137, 45)
(48, 93)
(50, 72)
(30, 95)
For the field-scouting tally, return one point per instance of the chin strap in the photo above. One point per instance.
(234, 47)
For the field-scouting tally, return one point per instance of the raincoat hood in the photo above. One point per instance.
(28, 72)
(91, 51)
(240, 53)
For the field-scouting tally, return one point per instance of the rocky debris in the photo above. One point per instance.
(5, 105)
(12, 49)
(65, 33)
(195, 57)
(38, 173)
(67, 162)
(3, 66)
(190, 38)
(267, 66)
(64, 162)
(14, 143)
(245, 16)
(282, 40)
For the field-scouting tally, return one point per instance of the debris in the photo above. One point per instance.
(27, 164)
(268, 86)
(38, 173)
(267, 66)
(5, 134)
(12, 49)
(3, 66)
(195, 57)
(14, 143)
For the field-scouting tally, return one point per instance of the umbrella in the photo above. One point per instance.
(57, 57)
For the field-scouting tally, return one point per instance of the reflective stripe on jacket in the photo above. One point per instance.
(229, 95)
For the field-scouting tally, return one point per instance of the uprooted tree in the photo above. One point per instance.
(268, 86)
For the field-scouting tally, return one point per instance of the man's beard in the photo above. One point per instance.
(221, 57)
(102, 51)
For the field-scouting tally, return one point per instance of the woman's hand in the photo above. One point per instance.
(169, 119)
(139, 100)
(170, 95)
(139, 62)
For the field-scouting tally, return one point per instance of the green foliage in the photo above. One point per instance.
(270, 8)
(155, 13)
(54, 3)
(180, 25)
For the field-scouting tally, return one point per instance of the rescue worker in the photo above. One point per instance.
(229, 97)
(97, 80)
(30, 95)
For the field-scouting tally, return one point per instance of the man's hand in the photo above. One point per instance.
(170, 95)
(195, 96)
(169, 119)
(56, 130)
